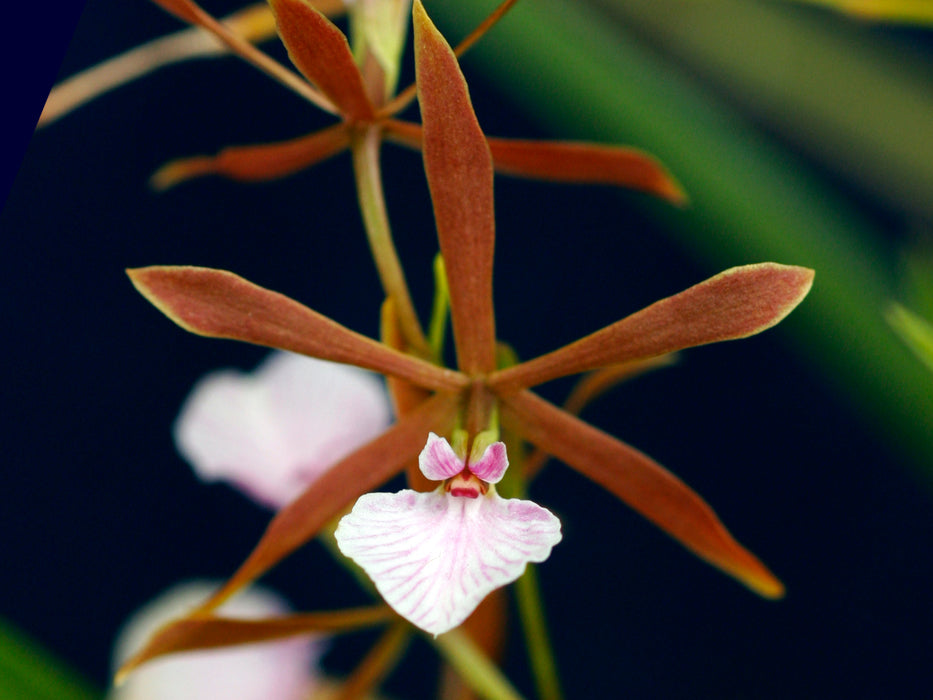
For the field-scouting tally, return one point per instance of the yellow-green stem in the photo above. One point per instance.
(537, 640)
(528, 592)
(365, 146)
(476, 669)
(438, 325)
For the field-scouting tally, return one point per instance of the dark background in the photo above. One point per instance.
(99, 514)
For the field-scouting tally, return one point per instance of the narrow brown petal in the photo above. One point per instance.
(189, 11)
(459, 171)
(257, 163)
(220, 304)
(321, 52)
(586, 163)
(589, 388)
(184, 10)
(734, 304)
(403, 133)
(484, 27)
(565, 161)
(362, 471)
(211, 632)
(595, 384)
(639, 482)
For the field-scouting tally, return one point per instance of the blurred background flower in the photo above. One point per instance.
(272, 432)
(285, 670)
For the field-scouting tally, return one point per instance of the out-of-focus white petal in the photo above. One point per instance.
(434, 556)
(274, 431)
(283, 670)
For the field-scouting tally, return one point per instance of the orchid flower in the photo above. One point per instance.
(284, 670)
(435, 556)
(273, 432)
(736, 303)
(357, 89)
(355, 84)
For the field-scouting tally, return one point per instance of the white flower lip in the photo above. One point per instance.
(435, 556)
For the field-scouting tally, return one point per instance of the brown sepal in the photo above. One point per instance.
(734, 304)
(220, 304)
(590, 387)
(189, 11)
(639, 482)
(586, 163)
(459, 172)
(565, 161)
(321, 52)
(259, 162)
(201, 631)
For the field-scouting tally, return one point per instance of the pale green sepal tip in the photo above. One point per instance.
(915, 331)
(459, 440)
(482, 440)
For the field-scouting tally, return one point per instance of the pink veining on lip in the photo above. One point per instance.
(434, 556)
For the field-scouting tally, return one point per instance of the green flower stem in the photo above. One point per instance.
(527, 590)
(481, 674)
(537, 639)
(438, 326)
(750, 199)
(365, 147)
(28, 671)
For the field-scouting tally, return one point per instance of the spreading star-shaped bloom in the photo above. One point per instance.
(479, 393)
(361, 96)
(434, 556)
(356, 85)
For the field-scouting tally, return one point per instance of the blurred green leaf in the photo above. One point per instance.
(853, 98)
(917, 278)
(29, 672)
(581, 74)
(905, 11)
(914, 331)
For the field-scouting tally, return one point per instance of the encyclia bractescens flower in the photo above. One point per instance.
(272, 432)
(434, 556)
(356, 86)
(734, 304)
